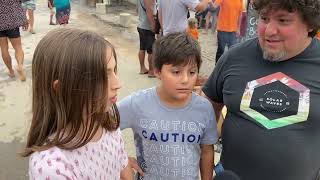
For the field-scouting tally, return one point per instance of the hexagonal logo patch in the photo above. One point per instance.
(276, 101)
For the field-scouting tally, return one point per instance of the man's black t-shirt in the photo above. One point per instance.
(272, 128)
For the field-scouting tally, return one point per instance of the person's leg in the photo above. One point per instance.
(150, 37)
(51, 17)
(222, 41)
(5, 55)
(141, 54)
(19, 54)
(214, 21)
(208, 17)
(232, 39)
(31, 20)
(150, 62)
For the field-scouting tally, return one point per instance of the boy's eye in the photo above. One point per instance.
(175, 72)
(192, 72)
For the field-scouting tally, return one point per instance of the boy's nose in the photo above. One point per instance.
(184, 77)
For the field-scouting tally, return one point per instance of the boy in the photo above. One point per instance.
(174, 129)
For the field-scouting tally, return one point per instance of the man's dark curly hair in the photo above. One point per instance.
(308, 9)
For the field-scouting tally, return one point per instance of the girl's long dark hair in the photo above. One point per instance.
(69, 114)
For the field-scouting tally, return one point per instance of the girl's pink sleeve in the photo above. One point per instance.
(44, 166)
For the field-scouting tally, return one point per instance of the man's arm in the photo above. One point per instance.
(215, 4)
(239, 24)
(202, 5)
(160, 19)
(149, 5)
(217, 107)
(206, 161)
(50, 5)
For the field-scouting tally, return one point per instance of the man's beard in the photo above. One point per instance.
(274, 57)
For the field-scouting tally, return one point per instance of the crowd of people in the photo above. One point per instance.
(267, 81)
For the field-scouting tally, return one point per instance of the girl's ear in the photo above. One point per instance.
(55, 85)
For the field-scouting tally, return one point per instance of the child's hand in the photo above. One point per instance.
(132, 162)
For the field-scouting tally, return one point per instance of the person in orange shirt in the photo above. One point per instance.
(192, 29)
(228, 23)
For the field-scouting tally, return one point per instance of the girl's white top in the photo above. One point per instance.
(103, 159)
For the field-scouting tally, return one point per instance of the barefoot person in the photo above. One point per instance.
(51, 7)
(30, 7)
(63, 9)
(12, 17)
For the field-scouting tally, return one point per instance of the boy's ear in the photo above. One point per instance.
(55, 85)
(157, 73)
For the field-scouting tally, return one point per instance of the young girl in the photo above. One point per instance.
(192, 29)
(74, 132)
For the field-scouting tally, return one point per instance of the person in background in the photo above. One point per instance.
(12, 17)
(146, 30)
(229, 21)
(30, 7)
(174, 14)
(63, 10)
(51, 7)
(212, 18)
(192, 29)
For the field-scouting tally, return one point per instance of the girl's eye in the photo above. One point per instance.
(192, 72)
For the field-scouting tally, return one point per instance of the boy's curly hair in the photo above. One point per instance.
(309, 10)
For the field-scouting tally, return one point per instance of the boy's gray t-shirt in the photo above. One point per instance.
(168, 140)
(174, 14)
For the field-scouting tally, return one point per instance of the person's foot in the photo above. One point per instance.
(22, 74)
(32, 31)
(11, 73)
(143, 71)
(151, 75)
